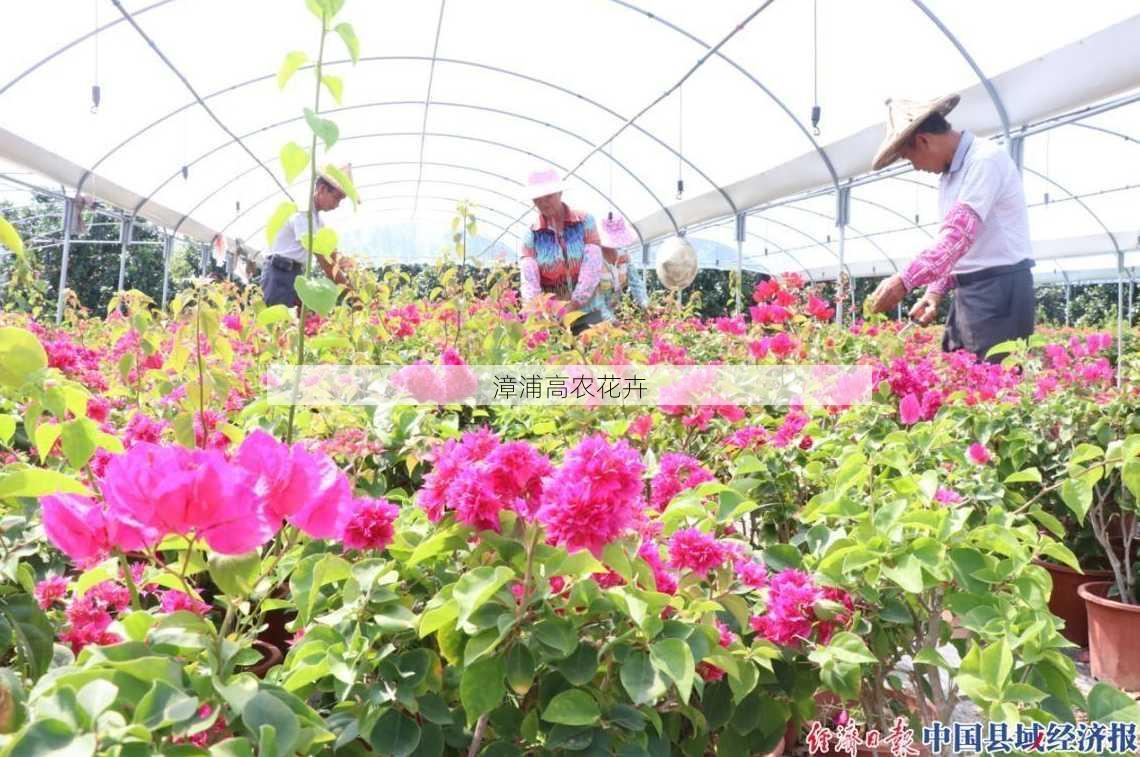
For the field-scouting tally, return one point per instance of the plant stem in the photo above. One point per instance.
(126, 567)
(309, 257)
(477, 739)
(201, 369)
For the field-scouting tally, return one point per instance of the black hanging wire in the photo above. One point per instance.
(680, 142)
(96, 91)
(816, 111)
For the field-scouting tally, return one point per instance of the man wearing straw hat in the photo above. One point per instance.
(561, 255)
(983, 249)
(286, 258)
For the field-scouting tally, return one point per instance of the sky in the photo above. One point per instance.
(525, 83)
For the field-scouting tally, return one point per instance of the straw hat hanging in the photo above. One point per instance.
(676, 263)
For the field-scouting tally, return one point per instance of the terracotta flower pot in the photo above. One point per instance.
(1066, 604)
(1114, 641)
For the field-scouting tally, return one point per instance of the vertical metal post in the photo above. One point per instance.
(1017, 151)
(842, 213)
(67, 206)
(740, 221)
(205, 261)
(1068, 301)
(127, 227)
(1119, 317)
(167, 249)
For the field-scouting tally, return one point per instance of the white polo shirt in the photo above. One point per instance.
(288, 241)
(983, 176)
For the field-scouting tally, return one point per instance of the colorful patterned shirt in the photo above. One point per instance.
(618, 276)
(568, 266)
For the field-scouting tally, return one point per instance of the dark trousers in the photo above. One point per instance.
(991, 306)
(277, 281)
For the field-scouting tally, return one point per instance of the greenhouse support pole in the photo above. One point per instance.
(168, 247)
(205, 262)
(128, 227)
(1068, 299)
(67, 206)
(1119, 317)
(739, 258)
(842, 213)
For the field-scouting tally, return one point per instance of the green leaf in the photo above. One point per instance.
(50, 737)
(323, 242)
(21, 355)
(325, 129)
(395, 734)
(325, 10)
(236, 747)
(1108, 704)
(273, 314)
(438, 543)
(10, 238)
(348, 34)
(641, 680)
(280, 217)
(32, 632)
(294, 159)
(1077, 495)
(318, 293)
(1049, 521)
(580, 667)
(1029, 475)
(264, 709)
(7, 428)
(345, 183)
(521, 669)
(1130, 472)
(907, 573)
(335, 86)
(674, 658)
(557, 637)
(78, 441)
(164, 705)
(36, 482)
(996, 664)
(573, 707)
(47, 434)
(235, 574)
(1061, 554)
(310, 575)
(475, 587)
(847, 647)
(931, 656)
(1004, 348)
(96, 697)
(289, 66)
(482, 687)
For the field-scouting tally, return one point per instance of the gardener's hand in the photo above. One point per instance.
(888, 294)
(925, 309)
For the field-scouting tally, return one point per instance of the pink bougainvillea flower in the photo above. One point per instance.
(515, 472)
(665, 581)
(641, 426)
(594, 497)
(752, 574)
(369, 524)
(690, 549)
(678, 473)
(451, 458)
(791, 615)
(284, 477)
(51, 590)
(178, 601)
(979, 454)
(947, 496)
(320, 517)
(171, 490)
(819, 309)
(910, 411)
(727, 637)
(81, 529)
(232, 322)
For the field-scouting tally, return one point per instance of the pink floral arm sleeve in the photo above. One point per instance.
(958, 234)
(941, 286)
(589, 274)
(531, 285)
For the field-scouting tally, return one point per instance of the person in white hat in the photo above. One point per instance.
(560, 253)
(983, 249)
(286, 258)
(620, 274)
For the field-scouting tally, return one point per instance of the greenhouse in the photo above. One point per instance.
(510, 377)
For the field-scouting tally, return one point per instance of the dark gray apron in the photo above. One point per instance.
(991, 306)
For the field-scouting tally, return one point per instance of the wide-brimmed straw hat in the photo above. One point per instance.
(676, 263)
(903, 118)
(614, 233)
(543, 182)
(346, 169)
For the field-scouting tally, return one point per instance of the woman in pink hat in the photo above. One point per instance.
(561, 255)
(619, 273)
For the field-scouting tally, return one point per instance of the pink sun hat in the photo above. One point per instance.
(614, 232)
(543, 182)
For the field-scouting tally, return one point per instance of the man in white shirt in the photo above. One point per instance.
(286, 258)
(983, 248)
